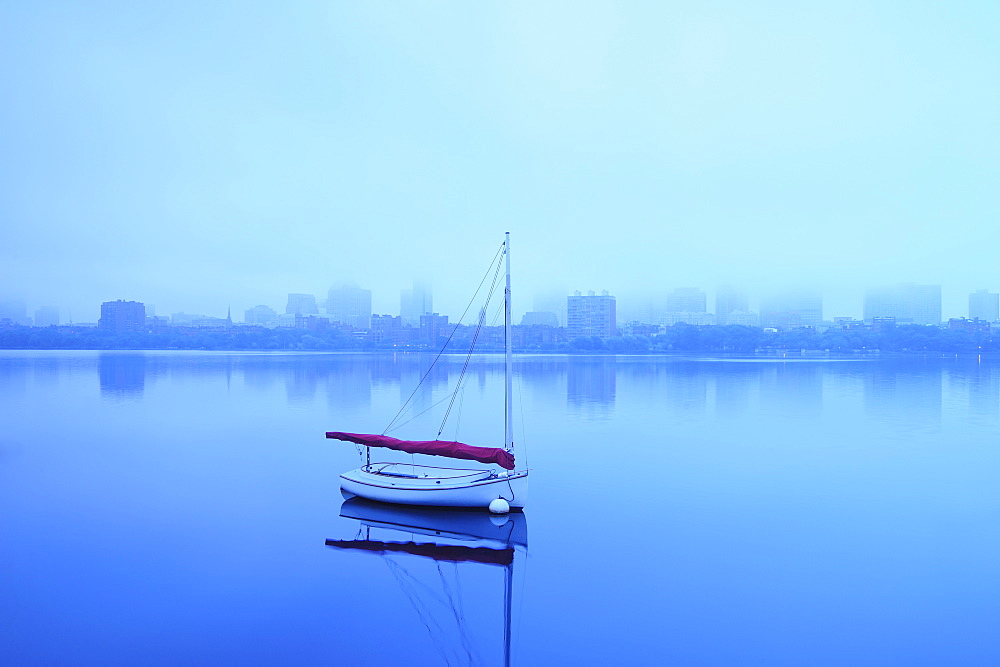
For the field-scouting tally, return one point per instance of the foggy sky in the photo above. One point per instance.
(196, 157)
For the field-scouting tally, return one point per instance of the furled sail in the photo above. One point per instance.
(455, 450)
(442, 552)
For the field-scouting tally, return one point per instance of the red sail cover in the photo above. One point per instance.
(455, 450)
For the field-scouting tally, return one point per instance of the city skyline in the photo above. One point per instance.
(350, 304)
(631, 307)
(622, 146)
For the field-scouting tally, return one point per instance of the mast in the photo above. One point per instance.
(509, 432)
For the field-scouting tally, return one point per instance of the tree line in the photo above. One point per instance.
(678, 338)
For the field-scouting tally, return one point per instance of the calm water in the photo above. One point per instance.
(172, 508)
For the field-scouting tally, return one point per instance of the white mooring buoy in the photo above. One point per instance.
(499, 506)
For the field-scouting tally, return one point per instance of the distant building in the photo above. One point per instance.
(850, 324)
(551, 302)
(591, 315)
(540, 317)
(301, 304)
(47, 316)
(880, 324)
(386, 329)
(642, 329)
(686, 300)
(316, 323)
(350, 304)
(14, 311)
(184, 319)
(261, 315)
(432, 327)
(791, 309)
(415, 302)
(907, 303)
(741, 317)
(211, 322)
(122, 316)
(984, 305)
(975, 325)
(532, 334)
(671, 318)
(729, 300)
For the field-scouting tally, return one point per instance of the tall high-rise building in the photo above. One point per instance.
(14, 311)
(791, 309)
(591, 315)
(985, 305)
(301, 304)
(350, 304)
(121, 316)
(728, 300)
(686, 300)
(907, 303)
(415, 302)
(47, 316)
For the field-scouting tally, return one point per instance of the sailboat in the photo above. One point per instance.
(413, 484)
(444, 536)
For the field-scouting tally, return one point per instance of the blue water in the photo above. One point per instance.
(173, 507)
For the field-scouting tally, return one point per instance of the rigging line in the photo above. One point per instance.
(468, 357)
(499, 253)
(458, 424)
(472, 348)
(422, 412)
(457, 612)
(502, 307)
(424, 613)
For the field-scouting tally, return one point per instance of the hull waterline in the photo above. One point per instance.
(475, 489)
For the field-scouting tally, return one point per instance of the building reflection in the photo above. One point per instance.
(302, 379)
(591, 384)
(981, 384)
(46, 372)
(13, 376)
(122, 375)
(733, 383)
(348, 384)
(984, 392)
(685, 388)
(795, 386)
(386, 369)
(422, 383)
(904, 391)
(544, 376)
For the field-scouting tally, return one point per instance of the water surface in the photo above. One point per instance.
(173, 507)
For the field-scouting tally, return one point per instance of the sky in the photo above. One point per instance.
(205, 155)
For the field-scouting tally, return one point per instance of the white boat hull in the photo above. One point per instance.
(436, 487)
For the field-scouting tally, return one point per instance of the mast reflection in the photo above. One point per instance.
(459, 537)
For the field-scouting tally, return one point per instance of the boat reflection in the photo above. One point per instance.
(444, 536)
(508, 529)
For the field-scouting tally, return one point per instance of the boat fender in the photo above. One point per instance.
(499, 519)
(499, 506)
